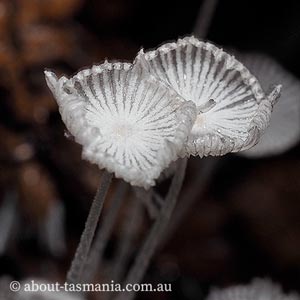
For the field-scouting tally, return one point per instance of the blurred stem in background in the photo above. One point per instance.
(104, 232)
(195, 188)
(205, 18)
(79, 261)
(129, 231)
(137, 271)
(8, 218)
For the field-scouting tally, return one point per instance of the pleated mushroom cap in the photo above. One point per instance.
(232, 109)
(284, 130)
(126, 122)
(258, 289)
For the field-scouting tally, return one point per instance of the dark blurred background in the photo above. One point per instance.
(246, 220)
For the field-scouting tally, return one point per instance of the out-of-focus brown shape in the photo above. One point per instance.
(36, 189)
(5, 15)
(45, 43)
(14, 147)
(33, 108)
(28, 41)
(32, 11)
(8, 62)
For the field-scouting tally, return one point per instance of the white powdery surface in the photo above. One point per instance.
(126, 121)
(258, 289)
(284, 130)
(232, 109)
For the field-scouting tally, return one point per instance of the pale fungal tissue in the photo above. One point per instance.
(184, 98)
(258, 289)
(232, 109)
(284, 130)
(127, 122)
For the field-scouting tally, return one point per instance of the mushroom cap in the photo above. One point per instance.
(126, 121)
(232, 109)
(284, 130)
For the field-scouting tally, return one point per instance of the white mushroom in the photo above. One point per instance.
(232, 109)
(126, 121)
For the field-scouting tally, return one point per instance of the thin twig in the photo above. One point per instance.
(75, 273)
(147, 250)
(204, 18)
(104, 232)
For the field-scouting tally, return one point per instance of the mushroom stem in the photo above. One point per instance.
(75, 272)
(205, 17)
(137, 271)
(104, 232)
(192, 193)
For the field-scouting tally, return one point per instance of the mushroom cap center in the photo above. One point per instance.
(122, 130)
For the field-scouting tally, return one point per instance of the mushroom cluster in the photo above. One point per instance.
(184, 98)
